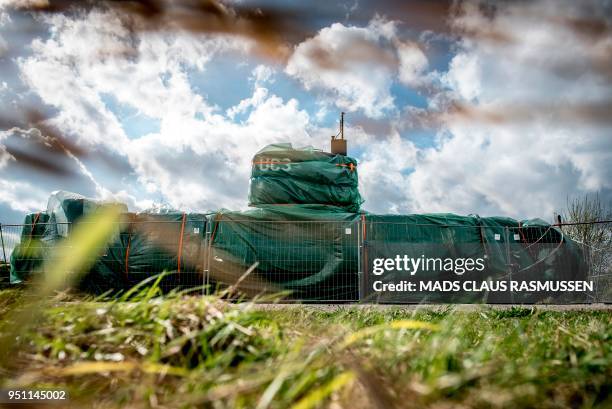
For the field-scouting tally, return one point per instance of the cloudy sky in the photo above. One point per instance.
(495, 108)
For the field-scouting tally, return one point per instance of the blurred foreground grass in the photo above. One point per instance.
(193, 351)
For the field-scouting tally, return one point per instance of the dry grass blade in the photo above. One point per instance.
(318, 395)
(236, 286)
(97, 367)
(401, 324)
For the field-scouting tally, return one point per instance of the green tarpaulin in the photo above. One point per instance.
(310, 252)
(145, 245)
(65, 208)
(28, 255)
(510, 250)
(283, 175)
(149, 244)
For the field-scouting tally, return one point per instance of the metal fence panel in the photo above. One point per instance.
(420, 263)
(329, 261)
(307, 260)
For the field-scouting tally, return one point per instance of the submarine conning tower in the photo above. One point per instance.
(282, 175)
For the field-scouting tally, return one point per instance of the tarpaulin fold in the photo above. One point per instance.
(284, 175)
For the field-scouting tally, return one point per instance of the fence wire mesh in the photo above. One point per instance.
(323, 261)
(309, 260)
(405, 262)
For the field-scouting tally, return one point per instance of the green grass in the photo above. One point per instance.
(183, 351)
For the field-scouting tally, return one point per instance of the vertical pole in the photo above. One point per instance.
(206, 275)
(508, 261)
(590, 272)
(3, 249)
(359, 270)
(203, 248)
(6, 266)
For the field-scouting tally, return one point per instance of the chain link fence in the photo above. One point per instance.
(456, 263)
(306, 260)
(599, 250)
(330, 261)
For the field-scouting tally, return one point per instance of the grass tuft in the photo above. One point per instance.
(179, 350)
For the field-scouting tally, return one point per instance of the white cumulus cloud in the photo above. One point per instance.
(531, 157)
(357, 65)
(199, 158)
